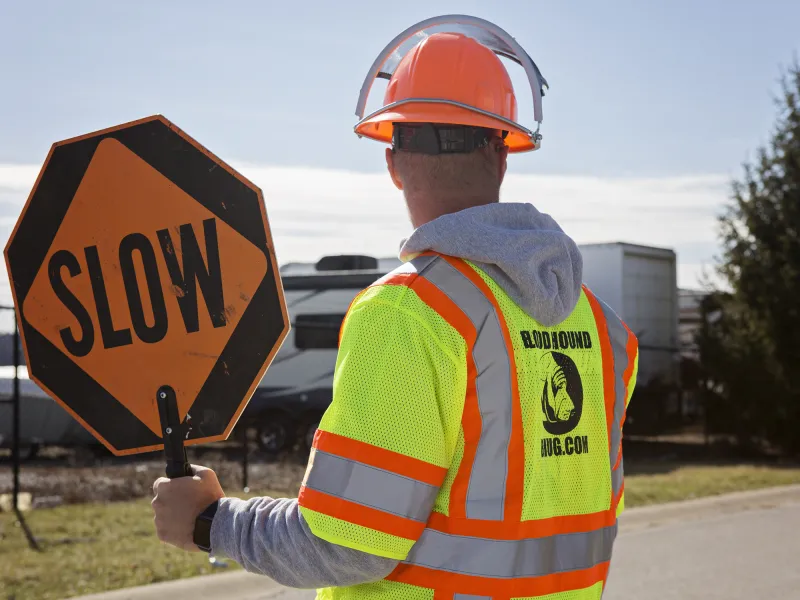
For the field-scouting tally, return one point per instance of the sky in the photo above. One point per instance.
(653, 106)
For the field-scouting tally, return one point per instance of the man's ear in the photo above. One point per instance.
(392, 172)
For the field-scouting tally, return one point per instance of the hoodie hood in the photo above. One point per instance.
(523, 250)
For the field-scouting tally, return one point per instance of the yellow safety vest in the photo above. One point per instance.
(478, 448)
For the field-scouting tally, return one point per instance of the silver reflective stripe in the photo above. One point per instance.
(619, 342)
(487, 483)
(616, 478)
(470, 597)
(371, 486)
(416, 265)
(513, 558)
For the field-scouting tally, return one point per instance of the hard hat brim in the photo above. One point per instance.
(378, 125)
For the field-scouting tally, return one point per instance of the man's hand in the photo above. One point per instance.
(178, 502)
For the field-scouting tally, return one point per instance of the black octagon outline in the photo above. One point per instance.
(232, 199)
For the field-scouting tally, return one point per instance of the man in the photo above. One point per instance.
(473, 445)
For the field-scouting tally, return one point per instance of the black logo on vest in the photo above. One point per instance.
(557, 340)
(562, 393)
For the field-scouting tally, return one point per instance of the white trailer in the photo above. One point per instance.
(42, 421)
(640, 284)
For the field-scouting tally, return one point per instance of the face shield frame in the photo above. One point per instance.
(485, 32)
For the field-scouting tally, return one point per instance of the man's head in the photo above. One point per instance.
(443, 169)
(450, 112)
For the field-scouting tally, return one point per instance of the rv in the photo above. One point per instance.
(638, 282)
(289, 402)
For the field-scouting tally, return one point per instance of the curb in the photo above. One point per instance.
(708, 507)
(240, 585)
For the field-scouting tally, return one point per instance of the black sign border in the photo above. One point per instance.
(233, 200)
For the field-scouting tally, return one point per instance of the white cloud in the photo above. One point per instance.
(318, 211)
(18, 178)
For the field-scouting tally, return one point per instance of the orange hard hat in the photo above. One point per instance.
(452, 77)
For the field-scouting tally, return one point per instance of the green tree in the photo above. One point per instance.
(750, 344)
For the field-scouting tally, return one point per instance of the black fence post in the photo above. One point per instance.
(15, 458)
(16, 426)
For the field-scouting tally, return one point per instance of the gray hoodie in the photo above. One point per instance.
(537, 265)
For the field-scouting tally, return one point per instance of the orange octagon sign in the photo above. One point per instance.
(142, 260)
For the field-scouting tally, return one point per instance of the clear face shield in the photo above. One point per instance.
(484, 32)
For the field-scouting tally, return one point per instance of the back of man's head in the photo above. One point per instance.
(438, 184)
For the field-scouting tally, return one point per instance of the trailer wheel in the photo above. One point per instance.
(273, 434)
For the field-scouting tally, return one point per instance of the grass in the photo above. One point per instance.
(89, 548)
(95, 547)
(687, 482)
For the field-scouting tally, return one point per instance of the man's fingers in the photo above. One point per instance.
(203, 473)
(177, 502)
(157, 483)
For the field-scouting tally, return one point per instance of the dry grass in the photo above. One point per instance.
(687, 482)
(113, 480)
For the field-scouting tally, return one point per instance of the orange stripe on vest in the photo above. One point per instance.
(608, 360)
(359, 514)
(516, 448)
(631, 348)
(375, 456)
(471, 416)
(509, 530)
(492, 587)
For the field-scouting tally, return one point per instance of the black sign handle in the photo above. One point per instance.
(173, 432)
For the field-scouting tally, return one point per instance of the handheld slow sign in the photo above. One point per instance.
(141, 262)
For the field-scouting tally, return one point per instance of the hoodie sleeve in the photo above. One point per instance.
(270, 537)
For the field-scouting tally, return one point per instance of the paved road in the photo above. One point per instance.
(747, 555)
(737, 547)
